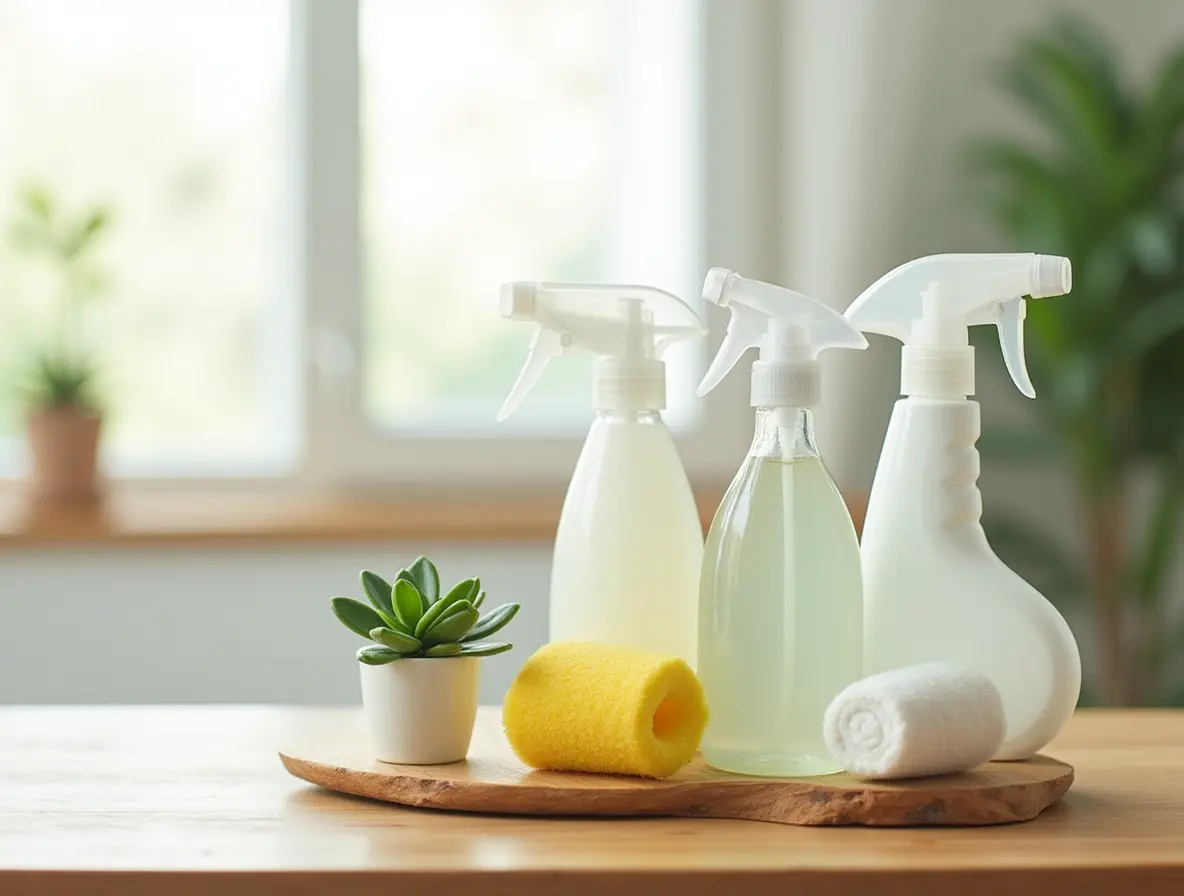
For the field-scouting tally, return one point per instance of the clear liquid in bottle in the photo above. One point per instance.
(780, 608)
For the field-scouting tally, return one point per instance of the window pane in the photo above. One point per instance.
(170, 113)
(511, 140)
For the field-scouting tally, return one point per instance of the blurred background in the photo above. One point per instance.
(251, 251)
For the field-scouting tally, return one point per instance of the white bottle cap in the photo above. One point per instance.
(619, 385)
(786, 374)
(928, 371)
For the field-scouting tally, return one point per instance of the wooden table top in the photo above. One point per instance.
(193, 800)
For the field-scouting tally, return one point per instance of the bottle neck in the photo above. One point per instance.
(784, 433)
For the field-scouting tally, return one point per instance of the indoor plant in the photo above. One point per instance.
(62, 411)
(420, 677)
(1102, 182)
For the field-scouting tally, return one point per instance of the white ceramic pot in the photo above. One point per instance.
(421, 711)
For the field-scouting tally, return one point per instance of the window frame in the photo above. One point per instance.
(736, 226)
(736, 94)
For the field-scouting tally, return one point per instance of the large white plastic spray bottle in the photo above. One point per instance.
(629, 544)
(933, 588)
(780, 602)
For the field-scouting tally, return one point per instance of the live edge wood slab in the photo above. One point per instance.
(111, 801)
(493, 780)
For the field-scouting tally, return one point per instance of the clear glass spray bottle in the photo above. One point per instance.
(781, 606)
(780, 600)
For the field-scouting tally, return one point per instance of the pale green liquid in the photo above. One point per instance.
(780, 618)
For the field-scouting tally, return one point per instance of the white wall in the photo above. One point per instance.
(135, 626)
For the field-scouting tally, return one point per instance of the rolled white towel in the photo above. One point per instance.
(930, 719)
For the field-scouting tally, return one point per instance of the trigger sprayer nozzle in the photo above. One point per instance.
(929, 303)
(789, 328)
(629, 327)
(715, 286)
(1052, 276)
(516, 301)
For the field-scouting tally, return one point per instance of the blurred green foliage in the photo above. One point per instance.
(60, 370)
(1101, 180)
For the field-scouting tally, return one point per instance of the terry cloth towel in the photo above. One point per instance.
(931, 719)
(578, 706)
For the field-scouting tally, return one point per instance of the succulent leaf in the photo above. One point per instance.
(454, 625)
(489, 648)
(404, 575)
(408, 604)
(425, 578)
(480, 599)
(463, 590)
(448, 648)
(356, 616)
(452, 610)
(378, 592)
(492, 622)
(399, 641)
(378, 656)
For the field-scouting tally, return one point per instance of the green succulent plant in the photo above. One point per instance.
(412, 619)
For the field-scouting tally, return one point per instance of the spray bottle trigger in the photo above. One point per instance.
(1010, 323)
(545, 345)
(745, 329)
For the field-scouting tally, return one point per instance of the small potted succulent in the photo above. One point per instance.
(420, 676)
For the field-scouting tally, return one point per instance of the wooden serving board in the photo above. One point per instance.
(492, 780)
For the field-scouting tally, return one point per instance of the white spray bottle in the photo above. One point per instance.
(630, 544)
(933, 588)
(780, 602)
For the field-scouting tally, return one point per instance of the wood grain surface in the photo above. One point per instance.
(494, 781)
(185, 801)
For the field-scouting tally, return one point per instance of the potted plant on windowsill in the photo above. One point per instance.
(420, 677)
(62, 411)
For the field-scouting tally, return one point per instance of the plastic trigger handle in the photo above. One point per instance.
(1010, 324)
(745, 330)
(545, 345)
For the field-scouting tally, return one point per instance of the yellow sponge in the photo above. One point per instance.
(585, 707)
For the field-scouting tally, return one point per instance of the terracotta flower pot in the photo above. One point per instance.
(64, 443)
